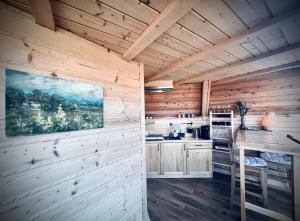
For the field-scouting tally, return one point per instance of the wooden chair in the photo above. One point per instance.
(279, 169)
(259, 169)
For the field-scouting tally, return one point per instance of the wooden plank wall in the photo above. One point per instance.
(276, 92)
(185, 98)
(283, 123)
(82, 175)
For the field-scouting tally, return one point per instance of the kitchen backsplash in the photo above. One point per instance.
(162, 125)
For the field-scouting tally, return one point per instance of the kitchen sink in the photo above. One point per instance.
(172, 138)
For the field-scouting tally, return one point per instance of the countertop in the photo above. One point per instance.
(184, 140)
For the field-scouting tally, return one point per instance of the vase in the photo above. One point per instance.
(243, 126)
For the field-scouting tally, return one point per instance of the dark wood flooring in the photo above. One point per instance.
(206, 200)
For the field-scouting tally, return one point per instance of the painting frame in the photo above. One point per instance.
(41, 104)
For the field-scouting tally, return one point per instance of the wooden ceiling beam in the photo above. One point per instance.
(209, 50)
(261, 72)
(211, 75)
(168, 17)
(42, 12)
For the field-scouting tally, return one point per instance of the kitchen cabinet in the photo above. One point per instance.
(179, 159)
(199, 162)
(153, 158)
(172, 159)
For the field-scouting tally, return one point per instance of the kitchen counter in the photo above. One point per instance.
(184, 140)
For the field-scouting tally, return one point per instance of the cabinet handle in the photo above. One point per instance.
(158, 149)
(187, 153)
(198, 145)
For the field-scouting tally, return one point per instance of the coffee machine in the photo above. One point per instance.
(205, 132)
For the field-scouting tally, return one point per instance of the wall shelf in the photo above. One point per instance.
(221, 132)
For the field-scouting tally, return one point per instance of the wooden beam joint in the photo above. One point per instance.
(42, 12)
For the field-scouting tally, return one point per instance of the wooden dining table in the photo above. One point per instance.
(275, 142)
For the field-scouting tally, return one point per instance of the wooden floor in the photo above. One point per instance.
(205, 200)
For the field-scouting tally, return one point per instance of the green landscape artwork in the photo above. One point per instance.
(36, 104)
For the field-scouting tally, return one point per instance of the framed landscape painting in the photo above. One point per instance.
(37, 104)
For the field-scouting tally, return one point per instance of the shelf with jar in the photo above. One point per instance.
(221, 125)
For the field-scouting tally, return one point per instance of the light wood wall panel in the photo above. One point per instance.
(277, 92)
(82, 175)
(185, 98)
(282, 123)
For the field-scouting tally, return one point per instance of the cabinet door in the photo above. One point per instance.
(199, 162)
(172, 159)
(153, 159)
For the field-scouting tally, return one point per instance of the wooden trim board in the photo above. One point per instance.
(267, 212)
(143, 124)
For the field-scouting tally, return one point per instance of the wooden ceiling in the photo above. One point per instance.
(188, 40)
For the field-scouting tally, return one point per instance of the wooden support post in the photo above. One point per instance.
(205, 97)
(42, 12)
(242, 184)
(296, 185)
(143, 124)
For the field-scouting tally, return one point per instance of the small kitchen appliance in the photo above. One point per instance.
(205, 132)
